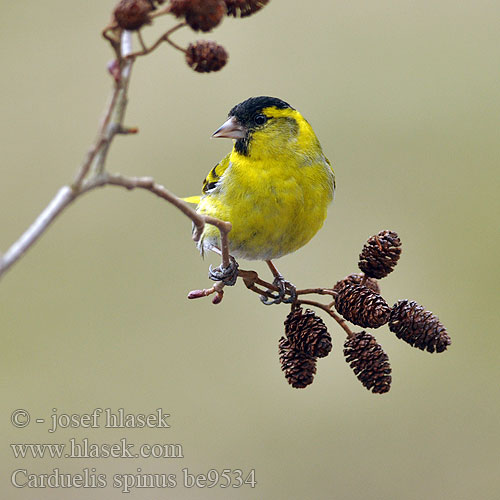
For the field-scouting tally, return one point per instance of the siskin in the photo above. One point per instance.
(274, 187)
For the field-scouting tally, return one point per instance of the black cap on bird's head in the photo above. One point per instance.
(246, 117)
(246, 111)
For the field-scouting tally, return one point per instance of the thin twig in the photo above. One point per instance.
(319, 291)
(251, 278)
(160, 12)
(112, 39)
(224, 228)
(141, 40)
(149, 184)
(175, 46)
(260, 291)
(159, 41)
(342, 322)
(113, 118)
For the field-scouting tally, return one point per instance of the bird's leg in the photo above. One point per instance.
(284, 287)
(228, 275)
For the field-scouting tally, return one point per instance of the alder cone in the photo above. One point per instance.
(132, 14)
(380, 254)
(355, 279)
(201, 15)
(369, 362)
(206, 56)
(362, 307)
(306, 332)
(244, 8)
(299, 367)
(418, 327)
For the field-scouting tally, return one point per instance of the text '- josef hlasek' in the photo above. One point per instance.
(109, 419)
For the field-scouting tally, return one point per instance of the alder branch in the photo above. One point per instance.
(148, 183)
(163, 38)
(251, 279)
(61, 200)
(112, 124)
(92, 174)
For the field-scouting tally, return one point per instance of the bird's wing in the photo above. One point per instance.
(333, 171)
(215, 174)
(211, 180)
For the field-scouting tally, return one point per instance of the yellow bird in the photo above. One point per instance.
(274, 187)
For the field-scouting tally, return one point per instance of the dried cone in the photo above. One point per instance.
(380, 254)
(359, 305)
(420, 328)
(201, 15)
(206, 56)
(355, 279)
(306, 332)
(369, 362)
(180, 8)
(132, 14)
(156, 3)
(299, 367)
(244, 8)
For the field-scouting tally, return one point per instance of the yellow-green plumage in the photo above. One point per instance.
(274, 188)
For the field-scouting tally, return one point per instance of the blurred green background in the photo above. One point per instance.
(404, 97)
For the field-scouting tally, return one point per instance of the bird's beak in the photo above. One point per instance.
(231, 129)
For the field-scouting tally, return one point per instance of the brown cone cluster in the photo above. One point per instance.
(380, 254)
(369, 362)
(355, 279)
(205, 56)
(132, 14)
(306, 332)
(357, 298)
(244, 8)
(361, 306)
(420, 328)
(299, 367)
(201, 15)
(156, 3)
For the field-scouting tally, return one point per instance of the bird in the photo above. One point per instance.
(274, 187)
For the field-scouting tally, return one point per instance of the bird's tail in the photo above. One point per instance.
(192, 199)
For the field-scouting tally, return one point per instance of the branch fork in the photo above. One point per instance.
(92, 173)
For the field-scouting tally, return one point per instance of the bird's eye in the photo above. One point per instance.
(260, 119)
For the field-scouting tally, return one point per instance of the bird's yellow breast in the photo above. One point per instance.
(275, 206)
